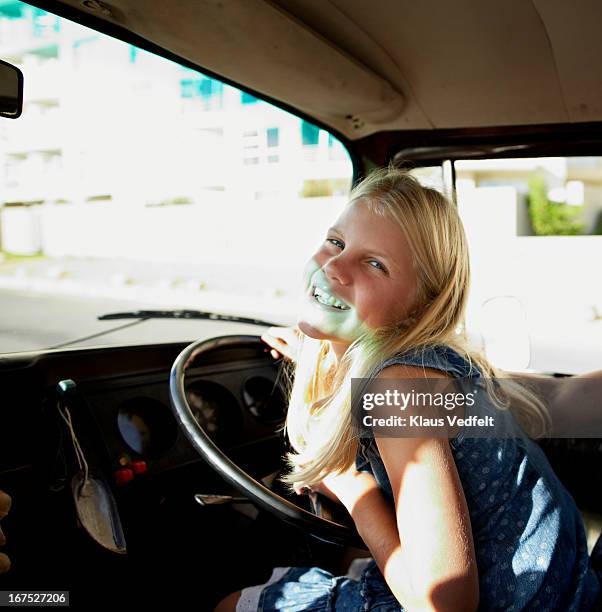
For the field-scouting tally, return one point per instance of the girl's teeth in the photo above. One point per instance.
(328, 300)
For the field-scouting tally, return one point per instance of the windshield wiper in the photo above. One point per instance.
(184, 314)
(145, 315)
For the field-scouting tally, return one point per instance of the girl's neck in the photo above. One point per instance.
(339, 349)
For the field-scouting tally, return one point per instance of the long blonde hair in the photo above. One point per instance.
(319, 423)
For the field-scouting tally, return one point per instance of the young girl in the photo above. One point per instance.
(451, 524)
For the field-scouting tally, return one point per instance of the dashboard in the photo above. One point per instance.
(122, 419)
(238, 402)
(120, 406)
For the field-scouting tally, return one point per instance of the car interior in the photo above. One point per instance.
(147, 473)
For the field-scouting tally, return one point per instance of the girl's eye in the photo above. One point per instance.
(376, 264)
(337, 243)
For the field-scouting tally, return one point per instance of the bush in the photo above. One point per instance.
(550, 218)
(598, 228)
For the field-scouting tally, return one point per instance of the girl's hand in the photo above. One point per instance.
(284, 342)
(346, 487)
(317, 488)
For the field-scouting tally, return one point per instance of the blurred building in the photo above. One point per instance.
(576, 181)
(104, 121)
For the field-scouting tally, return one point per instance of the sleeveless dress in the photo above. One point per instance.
(529, 538)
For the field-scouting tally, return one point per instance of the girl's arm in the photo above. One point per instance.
(424, 548)
(435, 555)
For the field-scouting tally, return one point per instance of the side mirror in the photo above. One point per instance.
(11, 90)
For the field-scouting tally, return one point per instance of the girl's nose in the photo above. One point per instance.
(335, 270)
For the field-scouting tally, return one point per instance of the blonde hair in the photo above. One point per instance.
(319, 423)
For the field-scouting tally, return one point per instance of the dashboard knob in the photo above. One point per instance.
(123, 475)
(138, 467)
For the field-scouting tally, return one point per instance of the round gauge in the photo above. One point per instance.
(264, 398)
(146, 426)
(215, 410)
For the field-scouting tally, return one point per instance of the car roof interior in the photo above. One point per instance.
(360, 67)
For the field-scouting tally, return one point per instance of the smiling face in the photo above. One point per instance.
(361, 278)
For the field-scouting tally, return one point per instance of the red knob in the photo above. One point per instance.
(138, 467)
(123, 475)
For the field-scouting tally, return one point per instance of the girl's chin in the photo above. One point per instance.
(311, 331)
(317, 334)
(314, 332)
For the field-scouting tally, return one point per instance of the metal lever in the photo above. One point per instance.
(216, 500)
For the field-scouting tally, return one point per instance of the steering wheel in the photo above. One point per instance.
(250, 488)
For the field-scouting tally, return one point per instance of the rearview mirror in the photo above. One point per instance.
(11, 90)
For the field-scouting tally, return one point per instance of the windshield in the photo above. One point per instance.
(133, 182)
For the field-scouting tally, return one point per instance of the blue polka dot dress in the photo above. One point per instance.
(529, 537)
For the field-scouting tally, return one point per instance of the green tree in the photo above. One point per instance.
(550, 218)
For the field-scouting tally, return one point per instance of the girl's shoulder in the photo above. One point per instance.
(439, 357)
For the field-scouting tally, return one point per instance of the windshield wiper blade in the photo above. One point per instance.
(145, 315)
(184, 314)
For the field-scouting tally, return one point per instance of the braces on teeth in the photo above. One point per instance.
(328, 300)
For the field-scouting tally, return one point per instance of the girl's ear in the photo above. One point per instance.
(412, 318)
(418, 312)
